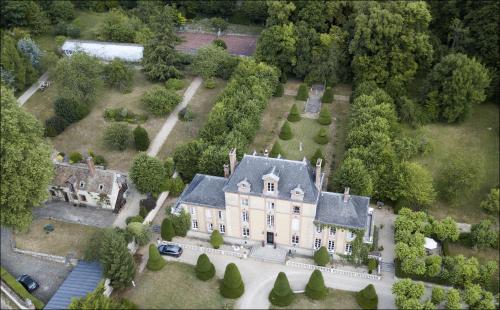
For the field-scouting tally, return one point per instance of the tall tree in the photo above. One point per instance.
(26, 168)
(353, 174)
(278, 12)
(147, 173)
(277, 46)
(97, 300)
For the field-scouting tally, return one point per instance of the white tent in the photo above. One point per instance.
(106, 51)
(430, 244)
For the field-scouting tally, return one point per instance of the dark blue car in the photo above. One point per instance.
(28, 282)
(170, 250)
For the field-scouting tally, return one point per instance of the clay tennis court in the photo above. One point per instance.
(236, 44)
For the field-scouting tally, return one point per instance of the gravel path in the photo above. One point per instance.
(172, 119)
(30, 91)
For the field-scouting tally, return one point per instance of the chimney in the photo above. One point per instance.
(90, 164)
(318, 174)
(232, 161)
(226, 170)
(346, 194)
(266, 153)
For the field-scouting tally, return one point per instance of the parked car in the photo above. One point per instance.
(170, 250)
(28, 282)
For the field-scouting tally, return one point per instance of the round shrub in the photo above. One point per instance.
(294, 115)
(135, 218)
(220, 43)
(117, 136)
(367, 298)
(276, 150)
(321, 256)
(216, 239)
(315, 288)
(204, 269)
(325, 118)
(327, 95)
(141, 138)
(59, 29)
(286, 132)
(175, 84)
(160, 101)
(147, 173)
(210, 83)
(55, 125)
(140, 231)
(279, 90)
(321, 137)
(302, 93)
(318, 154)
(232, 286)
(75, 157)
(438, 295)
(218, 23)
(70, 110)
(99, 160)
(167, 229)
(72, 31)
(155, 261)
(281, 295)
(118, 75)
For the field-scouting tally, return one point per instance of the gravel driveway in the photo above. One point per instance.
(49, 275)
(60, 210)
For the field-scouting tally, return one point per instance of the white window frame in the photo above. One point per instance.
(270, 220)
(351, 235)
(317, 243)
(246, 232)
(295, 239)
(82, 184)
(271, 205)
(192, 211)
(319, 229)
(194, 224)
(210, 227)
(333, 231)
(222, 228)
(244, 202)
(348, 248)
(270, 187)
(220, 214)
(294, 210)
(331, 245)
(244, 216)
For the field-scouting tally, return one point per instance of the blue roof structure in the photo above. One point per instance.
(83, 279)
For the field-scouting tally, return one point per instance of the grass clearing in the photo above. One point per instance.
(336, 299)
(183, 132)
(304, 132)
(175, 287)
(66, 238)
(340, 120)
(476, 138)
(89, 23)
(204, 24)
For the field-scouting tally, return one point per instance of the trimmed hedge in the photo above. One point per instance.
(325, 118)
(321, 137)
(281, 295)
(141, 138)
(276, 150)
(232, 286)
(19, 288)
(175, 84)
(327, 95)
(321, 256)
(286, 132)
(318, 154)
(136, 218)
(216, 239)
(155, 261)
(204, 269)
(294, 115)
(315, 288)
(302, 93)
(367, 298)
(167, 229)
(278, 92)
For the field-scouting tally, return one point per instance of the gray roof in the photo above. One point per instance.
(333, 210)
(205, 190)
(83, 279)
(291, 173)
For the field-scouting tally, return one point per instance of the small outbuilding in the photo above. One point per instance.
(431, 246)
(106, 51)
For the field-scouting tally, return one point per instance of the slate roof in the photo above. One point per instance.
(291, 173)
(205, 190)
(332, 210)
(83, 279)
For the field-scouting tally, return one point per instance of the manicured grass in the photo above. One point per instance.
(183, 132)
(41, 103)
(175, 287)
(340, 120)
(303, 131)
(476, 138)
(336, 299)
(66, 238)
(89, 23)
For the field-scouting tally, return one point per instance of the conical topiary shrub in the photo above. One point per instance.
(302, 93)
(276, 150)
(294, 115)
(216, 239)
(321, 137)
(232, 286)
(327, 95)
(321, 256)
(155, 261)
(367, 298)
(204, 269)
(315, 288)
(325, 118)
(167, 229)
(286, 132)
(318, 154)
(279, 90)
(281, 295)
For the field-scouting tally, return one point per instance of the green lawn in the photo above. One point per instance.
(89, 23)
(175, 287)
(477, 138)
(303, 131)
(336, 299)
(205, 25)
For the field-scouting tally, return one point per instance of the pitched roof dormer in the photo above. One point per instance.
(271, 180)
(244, 186)
(297, 193)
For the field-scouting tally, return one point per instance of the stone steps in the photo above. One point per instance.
(268, 253)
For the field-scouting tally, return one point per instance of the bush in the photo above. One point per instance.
(232, 286)
(210, 83)
(281, 295)
(75, 157)
(140, 231)
(438, 295)
(204, 269)
(276, 150)
(302, 93)
(147, 173)
(218, 23)
(367, 298)
(141, 139)
(135, 218)
(294, 115)
(327, 95)
(118, 75)
(100, 160)
(174, 186)
(321, 137)
(186, 115)
(160, 101)
(182, 223)
(143, 211)
(167, 229)
(318, 154)
(372, 265)
(279, 90)
(155, 261)
(490, 204)
(325, 118)
(70, 110)
(19, 289)
(175, 84)
(321, 256)
(216, 239)
(286, 132)
(168, 164)
(315, 288)
(117, 136)
(123, 114)
(72, 31)
(220, 43)
(55, 125)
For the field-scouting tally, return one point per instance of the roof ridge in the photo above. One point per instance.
(272, 158)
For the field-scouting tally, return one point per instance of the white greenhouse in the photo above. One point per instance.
(106, 51)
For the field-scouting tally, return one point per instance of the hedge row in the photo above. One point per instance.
(19, 289)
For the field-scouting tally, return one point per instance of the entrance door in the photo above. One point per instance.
(270, 237)
(66, 197)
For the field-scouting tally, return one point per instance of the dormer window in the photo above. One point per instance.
(271, 182)
(297, 193)
(270, 187)
(244, 186)
(82, 184)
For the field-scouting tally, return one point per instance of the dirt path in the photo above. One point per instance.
(30, 91)
(172, 119)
